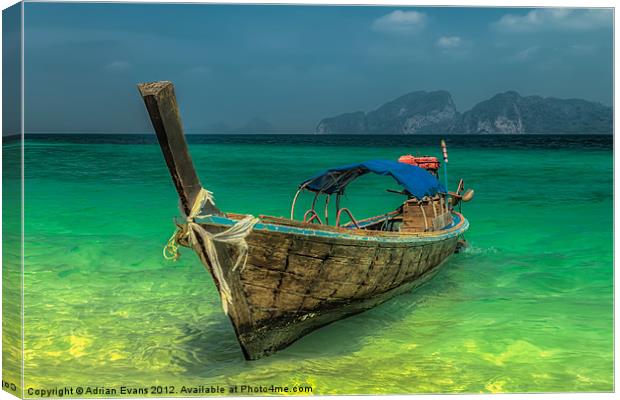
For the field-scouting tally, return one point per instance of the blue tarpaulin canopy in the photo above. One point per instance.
(417, 181)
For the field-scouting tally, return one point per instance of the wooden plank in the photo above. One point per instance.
(287, 302)
(263, 277)
(304, 266)
(268, 251)
(441, 221)
(258, 296)
(161, 104)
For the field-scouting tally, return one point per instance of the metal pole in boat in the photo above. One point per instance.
(444, 149)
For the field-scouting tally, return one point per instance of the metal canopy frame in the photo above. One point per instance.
(335, 180)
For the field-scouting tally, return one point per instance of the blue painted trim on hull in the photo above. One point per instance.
(413, 238)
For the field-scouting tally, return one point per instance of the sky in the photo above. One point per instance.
(294, 65)
(11, 70)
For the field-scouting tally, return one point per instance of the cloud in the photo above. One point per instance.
(554, 19)
(526, 54)
(581, 49)
(449, 42)
(117, 66)
(400, 22)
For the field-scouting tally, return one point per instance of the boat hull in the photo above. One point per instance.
(294, 282)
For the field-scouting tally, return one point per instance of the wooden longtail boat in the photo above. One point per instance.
(279, 278)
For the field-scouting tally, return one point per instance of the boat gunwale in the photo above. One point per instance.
(287, 226)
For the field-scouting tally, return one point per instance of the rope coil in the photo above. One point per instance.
(171, 249)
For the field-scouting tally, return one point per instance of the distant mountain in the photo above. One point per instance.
(435, 112)
(512, 113)
(354, 122)
(415, 112)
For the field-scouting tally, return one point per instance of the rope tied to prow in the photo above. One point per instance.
(203, 243)
(171, 249)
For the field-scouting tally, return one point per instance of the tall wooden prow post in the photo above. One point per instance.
(161, 104)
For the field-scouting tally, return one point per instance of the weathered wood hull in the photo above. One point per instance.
(294, 282)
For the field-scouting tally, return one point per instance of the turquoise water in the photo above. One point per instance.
(527, 308)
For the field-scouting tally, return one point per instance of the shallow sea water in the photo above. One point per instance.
(527, 308)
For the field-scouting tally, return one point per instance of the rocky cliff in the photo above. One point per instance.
(415, 112)
(509, 112)
(512, 113)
